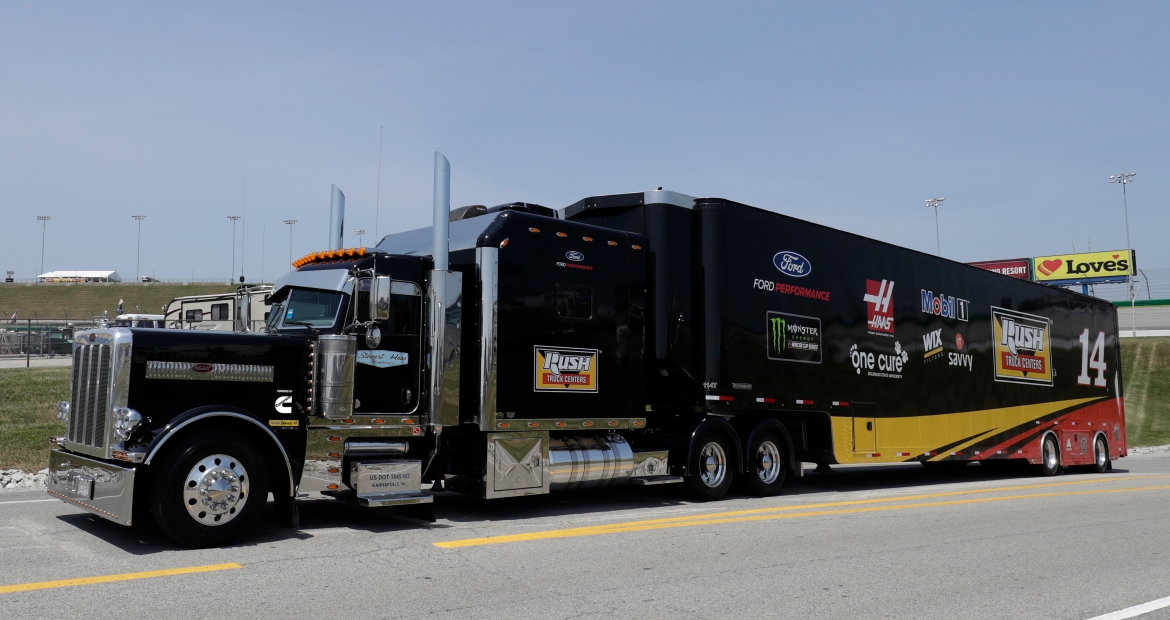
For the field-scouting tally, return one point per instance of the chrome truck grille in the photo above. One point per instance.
(90, 402)
(101, 381)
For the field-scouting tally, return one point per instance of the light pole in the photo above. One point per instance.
(138, 261)
(1124, 179)
(44, 220)
(290, 225)
(234, 219)
(359, 232)
(936, 203)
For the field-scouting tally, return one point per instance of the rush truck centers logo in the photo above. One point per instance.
(1023, 351)
(1114, 264)
(879, 311)
(794, 338)
(561, 369)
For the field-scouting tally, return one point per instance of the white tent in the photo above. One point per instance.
(80, 276)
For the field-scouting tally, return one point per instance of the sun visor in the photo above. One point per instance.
(325, 279)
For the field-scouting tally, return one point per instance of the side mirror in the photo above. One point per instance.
(380, 299)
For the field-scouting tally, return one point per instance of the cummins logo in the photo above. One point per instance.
(561, 369)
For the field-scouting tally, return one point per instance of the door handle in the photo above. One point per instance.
(869, 426)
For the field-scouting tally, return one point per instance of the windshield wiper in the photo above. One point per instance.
(304, 323)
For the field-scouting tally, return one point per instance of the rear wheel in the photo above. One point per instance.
(210, 489)
(1100, 455)
(1049, 456)
(767, 465)
(712, 476)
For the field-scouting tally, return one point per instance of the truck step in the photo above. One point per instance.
(378, 500)
(650, 480)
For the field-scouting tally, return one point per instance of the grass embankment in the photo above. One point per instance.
(28, 398)
(81, 302)
(28, 415)
(1145, 369)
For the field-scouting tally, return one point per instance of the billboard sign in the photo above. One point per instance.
(1013, 267)
(1090, 266)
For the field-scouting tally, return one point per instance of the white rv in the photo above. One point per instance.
(243, 311)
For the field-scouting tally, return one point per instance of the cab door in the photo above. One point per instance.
(387, 376)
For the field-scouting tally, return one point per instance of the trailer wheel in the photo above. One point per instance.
(1049, 456)
(712, 476)
(1100, 455)
(767, 465)
(210, 489)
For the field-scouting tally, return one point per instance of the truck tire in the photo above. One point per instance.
(1100, 455)
(767, 467)
(1049, 456)
(210, 489)
(713, 472)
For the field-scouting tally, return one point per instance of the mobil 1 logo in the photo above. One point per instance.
(794, 338)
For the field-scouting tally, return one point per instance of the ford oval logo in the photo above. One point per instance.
(202, 367)
(575, 256)
(792, 264)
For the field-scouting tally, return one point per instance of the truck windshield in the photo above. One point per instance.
(305, 308)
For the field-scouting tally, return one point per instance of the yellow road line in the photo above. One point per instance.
(762, 514)
(62, 583)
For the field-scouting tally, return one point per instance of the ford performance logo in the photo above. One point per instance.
(792, 264)
(575, 256)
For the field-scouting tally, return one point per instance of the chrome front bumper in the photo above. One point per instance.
(103, 489)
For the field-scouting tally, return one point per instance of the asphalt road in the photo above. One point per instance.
(864, 542)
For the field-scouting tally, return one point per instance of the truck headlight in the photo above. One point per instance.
(63, 411)
(125, 421)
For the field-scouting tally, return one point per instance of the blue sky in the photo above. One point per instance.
(849, 115)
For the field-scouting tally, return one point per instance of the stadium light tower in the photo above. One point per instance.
(138, 261)
(290, 225)
(234, 219)
(1124, 179)
(936, 203)
(359, 232)
(44, 220)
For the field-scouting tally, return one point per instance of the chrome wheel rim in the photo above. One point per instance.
(1101, 453)
(768, 466)
(1049, 454)
(215, 490)
(712, 464)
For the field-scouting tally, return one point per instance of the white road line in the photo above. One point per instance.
(1136, 610)
(30, 501)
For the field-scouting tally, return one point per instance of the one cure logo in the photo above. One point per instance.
(792, 264)
(879, 310)
(887, 365)
(561, 369)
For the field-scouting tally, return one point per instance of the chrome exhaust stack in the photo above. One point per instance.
(336, 219)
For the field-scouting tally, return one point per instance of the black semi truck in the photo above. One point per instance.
(645, 338)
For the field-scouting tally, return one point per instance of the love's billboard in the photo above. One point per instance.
(1087, 266)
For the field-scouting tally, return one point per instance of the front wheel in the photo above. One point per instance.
(1049, 456)
(210, 489)
(712, 476)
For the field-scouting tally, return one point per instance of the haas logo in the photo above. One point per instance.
(879, 310)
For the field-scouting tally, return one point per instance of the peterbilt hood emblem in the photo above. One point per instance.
(202, 368)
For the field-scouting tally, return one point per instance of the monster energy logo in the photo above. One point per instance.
(794, 338)
(779, 333)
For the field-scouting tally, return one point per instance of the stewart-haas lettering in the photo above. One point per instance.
(561, 369)
(1022, 347)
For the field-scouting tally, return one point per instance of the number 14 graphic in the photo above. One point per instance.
(1094, 360)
